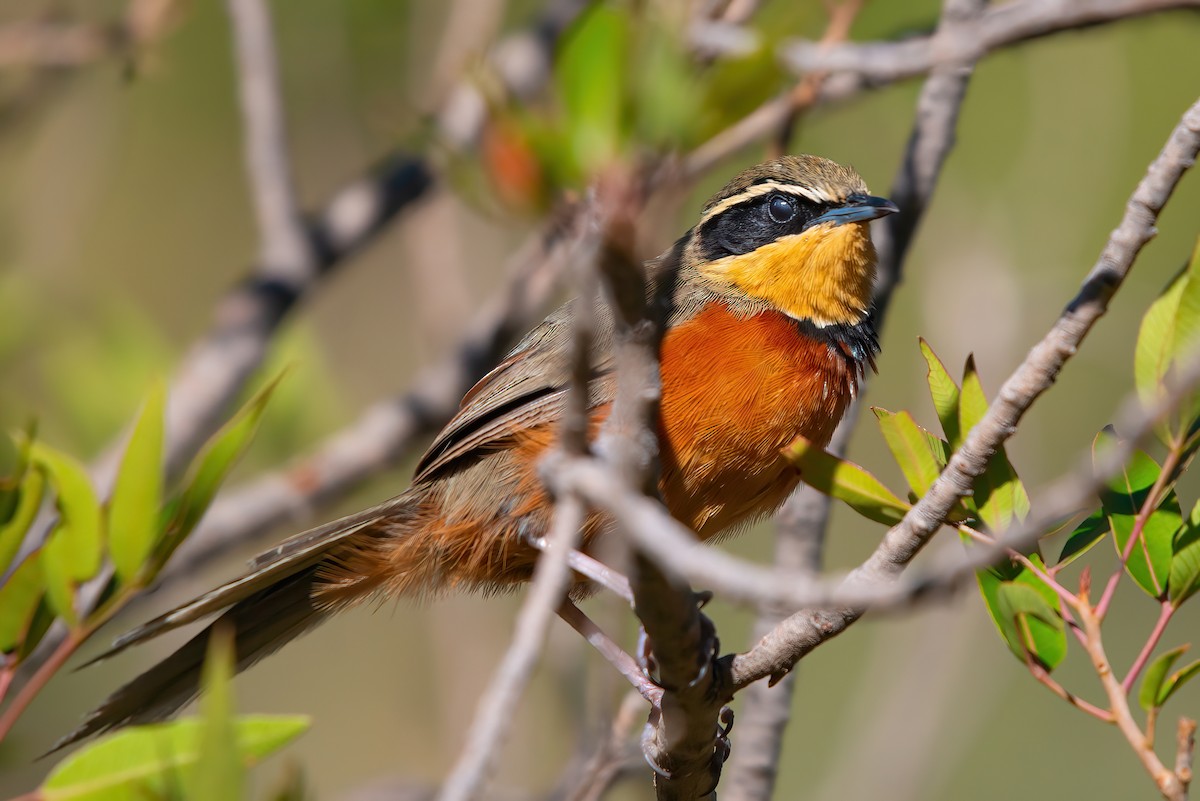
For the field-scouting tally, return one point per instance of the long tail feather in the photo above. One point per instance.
(285, 593)
(261, 624)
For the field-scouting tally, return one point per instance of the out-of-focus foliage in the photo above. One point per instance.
(200, 759)
(134, 532)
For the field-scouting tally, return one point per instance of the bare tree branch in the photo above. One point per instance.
(890, 62)
(285, 254)
(1004, 25)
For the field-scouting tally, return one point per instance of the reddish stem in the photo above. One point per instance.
(1139, 525)
(6, 677)
(1164, 617)
(1062, 692)
(37, 682)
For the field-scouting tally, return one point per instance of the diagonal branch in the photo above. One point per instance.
(1004, 25)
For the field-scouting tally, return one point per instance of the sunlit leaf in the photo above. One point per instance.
(1170, 328)
(1184, 578)
(1086, 534)
(133, 511)
(1156, 674)
(910, 446)
(1150, 560)
(154, 761)
(218, 457)
(998, 497)
(78, 511)
(19, 597)
(945, 394)
(845, 481)
(29, 500)
(1177, 680)
(1030, 623)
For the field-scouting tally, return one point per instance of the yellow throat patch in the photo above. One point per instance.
(824, 274)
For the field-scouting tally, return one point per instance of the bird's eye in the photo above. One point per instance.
(782, 209)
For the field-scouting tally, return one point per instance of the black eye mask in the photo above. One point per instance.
(750, 225)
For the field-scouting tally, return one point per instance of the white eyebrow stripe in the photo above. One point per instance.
(815, 195)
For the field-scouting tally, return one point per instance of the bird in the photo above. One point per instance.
(768, 333)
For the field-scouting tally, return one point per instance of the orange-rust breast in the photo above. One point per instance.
(736, 390)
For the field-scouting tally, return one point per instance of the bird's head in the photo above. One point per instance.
(794, 233)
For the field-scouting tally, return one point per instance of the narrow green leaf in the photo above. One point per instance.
(1177, 680)
(148, 761)
(910, 446)
(219, 773)
(29, 500)
(845, 481)
(945, 395)
(56, 575)
(19, 597)
(43, 618)
(1171, 327)
(78, 512)
(1149, 562)
(1184, 578)
(1093, 529)
(218, 457)
(133, 511)
(1156, 674)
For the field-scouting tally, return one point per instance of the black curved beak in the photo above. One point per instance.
(858, 208)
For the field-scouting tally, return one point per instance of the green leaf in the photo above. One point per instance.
(215, 461)
(19, 598)
(1170, 328)
(1156, 674)
(1177, 680)
(1184, 578)
(144, 762)
(133, 525)
(999, 498)
(1029, 622)
(43, 618)
(591, 74)
(845, 481)
(73, 547)
(29, 501)
(78, 512)
(1086, 534)
(219, 773)
(910, 445)
(945, 395)
(1149, 563)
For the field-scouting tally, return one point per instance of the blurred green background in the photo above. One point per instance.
(124, 215)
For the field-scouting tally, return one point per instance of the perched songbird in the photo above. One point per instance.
(768, 334)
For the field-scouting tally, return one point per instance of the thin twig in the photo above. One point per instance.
(499, 702)
(1185, 749)
(285, 252)
(1043, 676)
(1168, 783)
(1160, 626)
(1006, 24)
